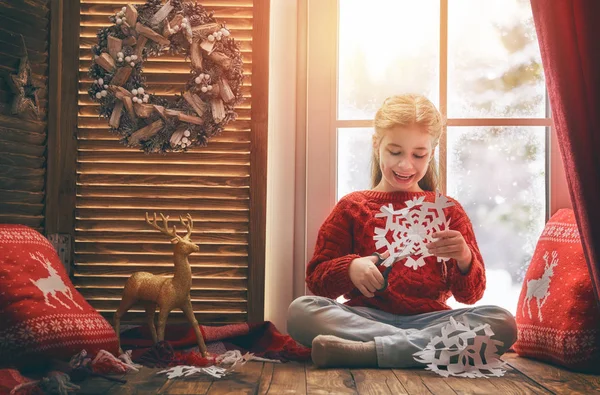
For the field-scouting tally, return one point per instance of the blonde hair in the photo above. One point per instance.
(408, 110)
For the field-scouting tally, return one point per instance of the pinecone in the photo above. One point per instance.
(195, 9)
(195, 20)
(102, 34)
(96, 50)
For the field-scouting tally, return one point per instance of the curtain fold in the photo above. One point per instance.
(569, 37)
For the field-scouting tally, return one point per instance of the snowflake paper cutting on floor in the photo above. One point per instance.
(229, 361)
(184, 370)
(464, 352)
(409, 229)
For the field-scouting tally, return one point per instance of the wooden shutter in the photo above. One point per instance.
(116, 185)
(23, 143)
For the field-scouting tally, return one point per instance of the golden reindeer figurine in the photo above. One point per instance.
(167, 293)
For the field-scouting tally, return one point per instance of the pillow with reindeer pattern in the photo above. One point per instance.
(43, 316)
(557, 317)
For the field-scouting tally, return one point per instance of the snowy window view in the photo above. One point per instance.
(494, 71)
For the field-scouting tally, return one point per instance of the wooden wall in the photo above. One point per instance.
(23, 142)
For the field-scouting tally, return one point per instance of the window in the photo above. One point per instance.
(479, 62)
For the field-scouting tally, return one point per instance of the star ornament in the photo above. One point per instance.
(26, 101)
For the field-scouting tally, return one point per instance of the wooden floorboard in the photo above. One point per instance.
(377, 381)
(523, 376)
(329, 381)
(420, 381)
(555, 379)
(514, 382)
(97, 386)
(288, 378)
(244, 380)
(265, 379)
(188, 385)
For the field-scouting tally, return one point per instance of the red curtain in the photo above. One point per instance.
(569, 38)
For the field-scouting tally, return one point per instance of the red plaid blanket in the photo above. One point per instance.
(262, 339)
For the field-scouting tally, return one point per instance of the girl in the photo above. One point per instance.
(385, 328)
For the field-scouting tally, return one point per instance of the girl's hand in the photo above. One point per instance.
(451, 244)
(365, 275)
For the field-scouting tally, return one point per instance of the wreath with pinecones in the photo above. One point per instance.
(207, 101)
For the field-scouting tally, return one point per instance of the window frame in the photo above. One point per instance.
(320, 113)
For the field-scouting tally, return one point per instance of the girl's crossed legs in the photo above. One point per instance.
(396, 338)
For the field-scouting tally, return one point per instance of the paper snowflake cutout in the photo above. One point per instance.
(409, 229)
(184, 370)
(231, 359)
(462, 351)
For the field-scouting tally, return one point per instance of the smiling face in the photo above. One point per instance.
(404, 155)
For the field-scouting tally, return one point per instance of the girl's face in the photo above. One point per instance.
(404, 155)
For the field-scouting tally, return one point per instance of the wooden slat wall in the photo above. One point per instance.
(117, 185)
(23, 143)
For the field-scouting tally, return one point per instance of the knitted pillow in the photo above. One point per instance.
(43, 316)
(557, 317)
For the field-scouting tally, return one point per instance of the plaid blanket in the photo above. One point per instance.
(262, 339)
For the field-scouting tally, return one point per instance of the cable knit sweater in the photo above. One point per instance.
(347, 234)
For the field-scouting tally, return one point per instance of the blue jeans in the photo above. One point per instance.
(396, 337)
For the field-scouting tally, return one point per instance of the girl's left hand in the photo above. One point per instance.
(451, 244)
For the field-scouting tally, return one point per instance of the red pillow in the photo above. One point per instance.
(43, 315)
(557, 317)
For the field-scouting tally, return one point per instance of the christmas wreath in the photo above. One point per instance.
(206, 103)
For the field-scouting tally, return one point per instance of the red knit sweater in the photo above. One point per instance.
(347, 234)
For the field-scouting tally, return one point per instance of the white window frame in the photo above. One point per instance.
(317, 128)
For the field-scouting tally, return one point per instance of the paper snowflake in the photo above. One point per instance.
(184, 370)
(462, 351)
(229, 361)
(409, 229)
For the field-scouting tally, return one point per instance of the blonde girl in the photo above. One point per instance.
(385, 328)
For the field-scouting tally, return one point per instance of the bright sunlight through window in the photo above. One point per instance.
(485, 74)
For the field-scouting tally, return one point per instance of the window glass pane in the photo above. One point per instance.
(498, 176)
(386, 47)
(494, 63)
(353, 160)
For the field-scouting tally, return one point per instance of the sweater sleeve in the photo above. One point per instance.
(327, 272)
(467, 287)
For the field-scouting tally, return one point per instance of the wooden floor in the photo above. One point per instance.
(523, 376)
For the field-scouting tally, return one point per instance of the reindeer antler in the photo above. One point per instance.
(189, 225)
(554, 258)
(165, 228)
(40, 258)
